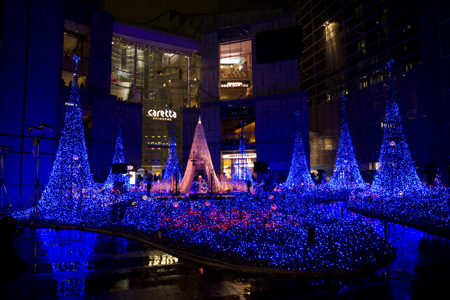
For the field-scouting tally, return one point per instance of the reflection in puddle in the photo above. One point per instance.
(162, 259)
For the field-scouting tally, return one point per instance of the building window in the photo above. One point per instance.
(239, 120)
(232, 130)
(363, 82)
(75, 42)
(235, 70)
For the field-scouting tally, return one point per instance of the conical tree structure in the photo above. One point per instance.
(346, 173)
(396, 173)
(199, 162)
(299, 175)
(172, 172)
(118, 157)
(68, 189)
(242, 172)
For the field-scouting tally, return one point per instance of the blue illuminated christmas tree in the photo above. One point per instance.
(299, 175)
(396, 173)
(346, 173)
(68, 190)
(242, 171)
(118, 157)
(173, 172)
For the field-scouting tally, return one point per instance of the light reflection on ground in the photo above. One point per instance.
(80, 264)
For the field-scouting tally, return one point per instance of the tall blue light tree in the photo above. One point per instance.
(396, 173)
(172, 172)
(299, 175)
(68, 190)
(346, 173)
(118, 157)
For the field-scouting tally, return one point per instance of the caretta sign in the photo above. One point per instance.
(162, 114)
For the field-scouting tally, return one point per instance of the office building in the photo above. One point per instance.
(346, 45)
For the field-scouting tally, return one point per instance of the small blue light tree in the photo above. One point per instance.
(118, 157)
(68, 190)
(242, 173)
(346, 173)
(299, 175)
(396, 173)
(172, 172)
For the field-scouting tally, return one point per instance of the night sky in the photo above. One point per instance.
(146, 10)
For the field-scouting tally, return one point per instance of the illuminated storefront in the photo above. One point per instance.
(237, 122)
(232, 159)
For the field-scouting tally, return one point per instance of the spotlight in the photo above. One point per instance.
(41, 130)
(32, 129)
(45, 127)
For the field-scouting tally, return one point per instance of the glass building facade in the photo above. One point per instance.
(346, 45)
(164, 81)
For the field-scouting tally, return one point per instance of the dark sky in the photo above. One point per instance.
(146, 10)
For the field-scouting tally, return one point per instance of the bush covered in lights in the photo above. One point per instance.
(264, 230)
(428, 208)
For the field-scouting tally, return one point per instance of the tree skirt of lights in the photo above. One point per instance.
(322, 192)
(260, 235)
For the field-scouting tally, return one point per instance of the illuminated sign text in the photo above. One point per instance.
(162, 114)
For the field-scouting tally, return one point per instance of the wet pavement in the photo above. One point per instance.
(71, 264)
